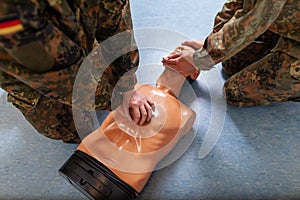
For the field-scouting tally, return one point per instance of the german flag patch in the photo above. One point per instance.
(10, 25)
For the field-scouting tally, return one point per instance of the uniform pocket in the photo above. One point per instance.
(33, 56)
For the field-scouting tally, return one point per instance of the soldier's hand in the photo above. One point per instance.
(181, 60)
(140, 108)
(137, 106)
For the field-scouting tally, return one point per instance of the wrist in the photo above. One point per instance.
(202, 59)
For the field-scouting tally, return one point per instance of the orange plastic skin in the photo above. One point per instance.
(133, 152)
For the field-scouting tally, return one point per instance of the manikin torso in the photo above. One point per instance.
(132, 151)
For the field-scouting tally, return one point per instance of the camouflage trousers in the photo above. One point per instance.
(49, 117)
(260, 76)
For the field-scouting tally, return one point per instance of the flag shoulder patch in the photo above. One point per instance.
(10, 24)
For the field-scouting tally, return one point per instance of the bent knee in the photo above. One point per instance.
(236, 97)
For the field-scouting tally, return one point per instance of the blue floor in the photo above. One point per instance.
(257, 155)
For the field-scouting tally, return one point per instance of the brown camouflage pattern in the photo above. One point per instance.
(39, 63)
(258, 43)
(274, 78)
(51, 119)
(242, 21)
(258, 49)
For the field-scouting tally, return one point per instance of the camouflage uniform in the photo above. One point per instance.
(42, 45)
(258, 43)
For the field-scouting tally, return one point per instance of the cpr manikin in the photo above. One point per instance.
(116, 160)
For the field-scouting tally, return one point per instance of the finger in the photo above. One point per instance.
(171, 57)
(167, 63)
(149, 111)
(178, 49)
(170, 66)
(151, 103)
(193, 43)
(136, 115)
(178, 69)
(143, 115)
(174, 55)
(173, 67)
(131, 113)
(153, 107)
(187, 42)
(172, 61)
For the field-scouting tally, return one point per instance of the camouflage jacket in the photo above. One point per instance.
(44, 42)
(242, 21)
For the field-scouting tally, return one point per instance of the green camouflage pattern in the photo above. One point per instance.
(258, 43)
(39, 63)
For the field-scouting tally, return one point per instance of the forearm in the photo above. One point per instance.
(92, 91)
(171, 80)
(87, 86)
(237, 33)
(115, 36)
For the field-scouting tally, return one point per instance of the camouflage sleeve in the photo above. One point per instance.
(30, 46)
(32, 40)
(88, 88)
(229, 9)
(36, 52)
(99, 85)
(246, 25)
(116, 36)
